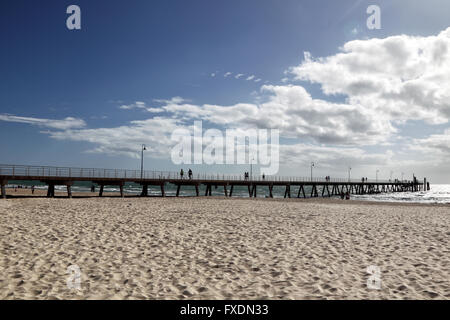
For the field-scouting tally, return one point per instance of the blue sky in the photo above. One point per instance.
(130, 51)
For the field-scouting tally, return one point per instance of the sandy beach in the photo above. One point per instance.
(217, 248)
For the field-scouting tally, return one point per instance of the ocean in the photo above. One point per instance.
(439, 193)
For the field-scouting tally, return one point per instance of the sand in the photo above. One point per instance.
(217, 248)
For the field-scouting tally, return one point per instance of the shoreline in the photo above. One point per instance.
(41, 193)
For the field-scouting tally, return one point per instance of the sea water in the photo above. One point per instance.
(439, 193)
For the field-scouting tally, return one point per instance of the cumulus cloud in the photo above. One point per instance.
(293, 111)
(404, 77)
(64, 124)
(126, 139)
(300, 155)
(436, 146)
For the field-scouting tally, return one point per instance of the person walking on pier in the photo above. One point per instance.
(32, 189)
(181, 174)
(190, 174)
(264, 176)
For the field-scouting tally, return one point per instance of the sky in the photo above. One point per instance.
(340, 94)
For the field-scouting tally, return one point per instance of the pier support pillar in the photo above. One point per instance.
(51, 190)
(69, 191)
(249, 191)
(271, 190)
(163, 193)
(178, 190)
(208, 191)
(287, 193)
(231, 190)
(100, 194)
(301, 189)
(196, 190)
(144, 191)
(225, 190)
(314, 191)
(254, 190)
(3, 189)
(121, 191)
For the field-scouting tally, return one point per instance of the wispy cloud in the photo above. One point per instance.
(250, 78)
(141, 105)
(63, 124)
(226, 75)
(239, 75)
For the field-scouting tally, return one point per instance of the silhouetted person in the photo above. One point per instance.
(181, 173)
(32, 189)
(264, 176)
(190, 174)
(347, 196)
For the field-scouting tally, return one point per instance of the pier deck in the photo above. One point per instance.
(294, 186)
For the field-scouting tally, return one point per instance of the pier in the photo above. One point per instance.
(293, 186)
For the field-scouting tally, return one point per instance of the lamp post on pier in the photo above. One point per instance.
(142, 160)
(349, 170)
(312, 166)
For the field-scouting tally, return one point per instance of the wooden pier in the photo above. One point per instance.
(293, 186)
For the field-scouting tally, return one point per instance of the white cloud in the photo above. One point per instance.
(250, 78)
(176, 100)
(227, 74)
(141, 105)
(402, 77)
(257, 80)
(293, 111)
(239, 75)
(125, 140)
(64, 124)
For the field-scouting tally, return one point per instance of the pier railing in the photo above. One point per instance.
(97, 173)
